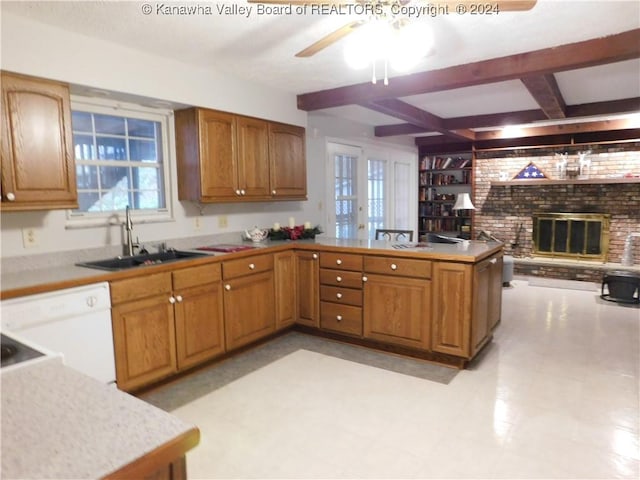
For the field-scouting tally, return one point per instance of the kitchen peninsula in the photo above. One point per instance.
(439, 302)
(58, 423)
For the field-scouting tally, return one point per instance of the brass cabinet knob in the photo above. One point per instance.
(394, 266)
(315, 256)
(338, 262)
(338, 279)
(364, 279)
(339, 318)
(227, 287)
(338, 295)
(252, 266)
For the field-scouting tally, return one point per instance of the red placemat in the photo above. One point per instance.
(224, 247)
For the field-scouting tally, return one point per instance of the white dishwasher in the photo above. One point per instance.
(75, 322)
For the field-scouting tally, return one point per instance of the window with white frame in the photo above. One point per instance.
(121, 157)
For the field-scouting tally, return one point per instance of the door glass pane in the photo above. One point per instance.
(402, 200)
(375, 187)
(345, 168)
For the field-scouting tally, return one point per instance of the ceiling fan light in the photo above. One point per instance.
(412, 43)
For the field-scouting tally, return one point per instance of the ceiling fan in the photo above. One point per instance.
(395, 12)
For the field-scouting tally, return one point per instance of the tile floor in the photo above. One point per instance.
(556, 395)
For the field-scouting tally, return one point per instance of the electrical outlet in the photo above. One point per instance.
(197, 224)
(223, 222)
(29, 238)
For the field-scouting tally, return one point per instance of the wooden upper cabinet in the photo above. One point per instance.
(287, 153)
(38, 170)
(253, 157)
(224, 157)
(206, 153)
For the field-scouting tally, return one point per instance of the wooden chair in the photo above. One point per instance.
(395, 235)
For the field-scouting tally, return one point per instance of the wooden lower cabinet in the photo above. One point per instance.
(285, 288)
(451, 309)
(495, 292)
(466, 305)
(199, 325)
(397, 310)
(166, 322)
(144, 340)
(487, 300)
(308, 283)
(249, 308)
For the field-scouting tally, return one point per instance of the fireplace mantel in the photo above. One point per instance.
(546, 181)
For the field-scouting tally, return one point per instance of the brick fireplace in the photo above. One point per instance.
(507, 211)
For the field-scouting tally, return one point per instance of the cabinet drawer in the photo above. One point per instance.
(404, 267)
(340, 278)
(345, 296)
(244, 266)
(341, 318)
(140, 287)
(194, 276)
(342, 261)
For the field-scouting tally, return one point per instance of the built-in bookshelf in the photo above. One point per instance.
(441, 178)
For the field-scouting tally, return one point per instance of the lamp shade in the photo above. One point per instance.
(463, 202)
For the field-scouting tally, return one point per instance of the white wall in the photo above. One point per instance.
(36, 49)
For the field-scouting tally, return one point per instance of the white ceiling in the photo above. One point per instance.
(262, 47)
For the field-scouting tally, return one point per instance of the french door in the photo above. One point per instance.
(370, 188)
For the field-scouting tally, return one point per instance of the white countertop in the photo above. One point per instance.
(58, 423)
(69, 273)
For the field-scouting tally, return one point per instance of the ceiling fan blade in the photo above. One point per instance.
(327, 40)
(303, 2)
(503, 5)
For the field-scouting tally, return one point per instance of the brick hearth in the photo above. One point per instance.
(502, 209)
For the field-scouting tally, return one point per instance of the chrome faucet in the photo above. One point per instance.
(129, 246)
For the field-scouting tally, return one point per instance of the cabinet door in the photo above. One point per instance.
(144, 341)
(480, 316)
(286, 281)
(249, 309)
(218, 154)
(253, 157)
(495, 292)
(38, 170)
(287, 153)
(451, 299)
(199, 324)
(308, 273)
(398, 310)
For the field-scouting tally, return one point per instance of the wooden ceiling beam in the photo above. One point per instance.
(568, 128)
(589, 53)
(545, 91)
(416, 116)
(515, 118)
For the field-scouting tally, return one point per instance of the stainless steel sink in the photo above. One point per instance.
(124, 263)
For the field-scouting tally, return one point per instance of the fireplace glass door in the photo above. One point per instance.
(571, 235)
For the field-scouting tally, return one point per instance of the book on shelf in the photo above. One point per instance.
(441, 163)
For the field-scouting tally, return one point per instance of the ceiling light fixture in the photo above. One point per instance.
(395, 43)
